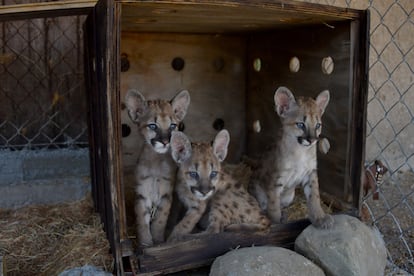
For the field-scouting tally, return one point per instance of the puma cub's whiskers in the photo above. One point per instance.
(293, 162)
(155, 171)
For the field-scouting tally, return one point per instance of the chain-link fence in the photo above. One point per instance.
(42, 101)
(390, 128)
(42, 104)
(390, 123)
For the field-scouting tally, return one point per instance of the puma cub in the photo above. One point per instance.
(155, 171)
(201, 178)
(293, 162)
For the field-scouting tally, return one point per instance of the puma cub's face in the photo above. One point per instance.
(301, 118)
(199, 163)
(156, 119)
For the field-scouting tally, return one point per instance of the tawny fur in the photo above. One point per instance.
(232, 208)
(293, 161)
(155, 171)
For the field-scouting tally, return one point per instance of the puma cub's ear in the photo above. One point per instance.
(180, 147)
(284, 101)
(220, 144)
(180, 104)
(322, 100)
(135, 104)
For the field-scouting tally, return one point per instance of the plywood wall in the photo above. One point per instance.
(390, 119)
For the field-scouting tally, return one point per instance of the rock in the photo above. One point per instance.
(262, 261)
(86, 270)
(349, 248)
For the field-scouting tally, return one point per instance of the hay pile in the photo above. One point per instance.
(46, 240)
(299, 210)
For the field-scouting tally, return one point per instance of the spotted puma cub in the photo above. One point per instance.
(293, 162)
(155, 171)
(201, 178)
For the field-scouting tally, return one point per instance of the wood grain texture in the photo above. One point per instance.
(208, 35)
(310, 44)
(200, 251)
(225, 16)
(213, 73)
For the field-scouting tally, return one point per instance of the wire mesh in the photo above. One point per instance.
(42, 104)
(390, 126)
(42, 101)
(390, 123)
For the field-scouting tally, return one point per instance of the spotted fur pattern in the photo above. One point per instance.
(202, 180)
(293, 161)
(232, 208)
(155, 171)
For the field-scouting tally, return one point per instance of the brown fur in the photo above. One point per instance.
(232, 208)
(155, 171)
(293, 162)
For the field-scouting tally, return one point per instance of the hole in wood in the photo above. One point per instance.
(256, 126)
(178, 64)
(327, 65)
(257, 64)
(126, 130)
(294, 65)
(218, 124)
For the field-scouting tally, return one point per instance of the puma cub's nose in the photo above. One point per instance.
(202, 191)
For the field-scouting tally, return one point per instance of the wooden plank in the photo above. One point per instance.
(102, 37)
(226, 16)
(360, 72)
(46, 9)
(211, 88)
(310, 44)
(202, 250)
(2, 267)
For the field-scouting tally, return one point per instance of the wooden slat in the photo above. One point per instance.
(46, 9)
(225, 16)
(203, 250)
(2, 267)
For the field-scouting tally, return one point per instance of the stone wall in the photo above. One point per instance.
(43, 177)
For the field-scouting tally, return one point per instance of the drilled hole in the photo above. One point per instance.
(256, 126)
(294, 65)
(327, 65)
(126, 130)
(178, 64)
(218, 124)
(257, 64)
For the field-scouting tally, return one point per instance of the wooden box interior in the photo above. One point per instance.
(222, 44)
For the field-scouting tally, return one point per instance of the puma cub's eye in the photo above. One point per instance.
(301, 125)
(173, 126)
(213, 174)
(318, 126)
(152, 126)
(193, 175)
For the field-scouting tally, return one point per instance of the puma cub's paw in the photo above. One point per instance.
(324, 145)
(324, 222)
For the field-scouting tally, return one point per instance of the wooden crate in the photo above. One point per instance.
(233, 56)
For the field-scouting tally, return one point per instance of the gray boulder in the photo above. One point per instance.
(349, 248)
(86, 270)
(263, 261)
